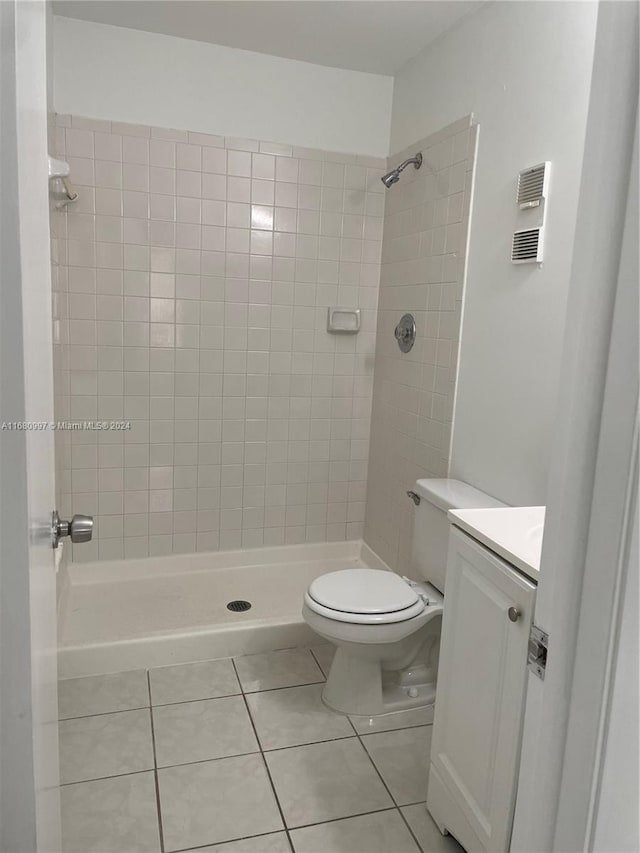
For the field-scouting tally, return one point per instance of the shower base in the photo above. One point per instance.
(130, 614)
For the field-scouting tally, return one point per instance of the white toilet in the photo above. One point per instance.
(387, 628)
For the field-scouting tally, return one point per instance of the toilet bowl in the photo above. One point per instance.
(387, 628)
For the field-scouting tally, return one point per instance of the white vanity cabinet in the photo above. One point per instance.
(477, 728)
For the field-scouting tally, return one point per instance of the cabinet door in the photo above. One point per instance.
(481, 687)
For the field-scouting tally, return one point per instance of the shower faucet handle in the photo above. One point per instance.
(405, 332)
(79, 529)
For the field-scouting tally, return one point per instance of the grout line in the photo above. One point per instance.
(314, 656)
(264, 761)
(258, 751)
(388, 731)
(346, 817)
(408, 825)
(393, 799)
(231, 841)
(288, 687)
(191, 701)
(155, 770)
(250, 693)
(104, 778)
(304, 826)
(103, 713)
(209, 760)
(308, 743)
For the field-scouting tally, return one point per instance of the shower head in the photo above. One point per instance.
(390, 178)
(393, 176)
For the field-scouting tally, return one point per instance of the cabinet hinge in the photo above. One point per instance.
(538, 647)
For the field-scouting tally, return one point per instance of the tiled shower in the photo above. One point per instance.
(424, 249)
(192, 280)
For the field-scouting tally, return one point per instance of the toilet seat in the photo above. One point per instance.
(364, 596)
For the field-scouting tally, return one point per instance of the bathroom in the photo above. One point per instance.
(309, 298)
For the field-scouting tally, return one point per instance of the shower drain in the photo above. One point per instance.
(239, 606)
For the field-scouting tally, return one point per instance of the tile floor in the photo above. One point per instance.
(238, 756)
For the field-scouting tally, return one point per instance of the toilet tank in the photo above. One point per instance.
(431, 526)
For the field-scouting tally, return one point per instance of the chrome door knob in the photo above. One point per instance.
(79, 529)
(514, 614)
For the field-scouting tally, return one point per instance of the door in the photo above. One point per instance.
(481, 684)
(585, 566)
(29, 796)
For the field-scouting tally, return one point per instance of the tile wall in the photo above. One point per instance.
(191, 285)
(426, 224)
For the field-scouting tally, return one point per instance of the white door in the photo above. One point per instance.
(481, 684)
(586, 565)
(29, 815)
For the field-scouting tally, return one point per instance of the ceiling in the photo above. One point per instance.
(377, 36)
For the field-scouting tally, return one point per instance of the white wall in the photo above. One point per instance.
(127, 75)
(531, 105)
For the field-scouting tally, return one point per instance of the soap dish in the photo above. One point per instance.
(343, 320)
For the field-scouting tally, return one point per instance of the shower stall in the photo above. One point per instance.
(230, 447)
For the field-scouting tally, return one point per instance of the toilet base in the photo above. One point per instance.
(361, 688)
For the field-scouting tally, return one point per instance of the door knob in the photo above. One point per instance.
(79, 529)
(514, 614)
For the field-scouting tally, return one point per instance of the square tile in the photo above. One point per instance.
(275, 842)
(216, 801)
(326, 781)
(286, 668)
(396, 720)
(199, 731)
(374, 833)
(402, 757)
(105, 745)
(295, 716)
(183, 683)
(117, 815)
(324, 655)
(101, 694)
(425, 830)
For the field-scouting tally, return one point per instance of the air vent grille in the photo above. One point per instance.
(527, 246)
(532, 186)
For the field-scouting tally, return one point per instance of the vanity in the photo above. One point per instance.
(492, 571)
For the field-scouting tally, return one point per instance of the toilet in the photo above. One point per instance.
(387, 627)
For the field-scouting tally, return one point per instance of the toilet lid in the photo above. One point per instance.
(363, 591)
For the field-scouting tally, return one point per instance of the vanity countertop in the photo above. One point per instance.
(514, 533)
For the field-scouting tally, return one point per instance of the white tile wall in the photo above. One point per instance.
(423, 263)
(192, 280)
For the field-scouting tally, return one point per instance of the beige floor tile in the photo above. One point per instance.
(101, 694)
(325, 781)
(324, 654)
(216, 801)
(276, 842)
(183, 683)
(427, 833)
(286, 668)
(105, 745)
(396, 720)
(116, 815)
(294, 716)
(402, 757)
(380, 832)
(199, 731)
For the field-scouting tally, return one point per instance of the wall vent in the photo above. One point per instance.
(532, 186)
(527, 246)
